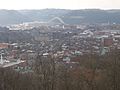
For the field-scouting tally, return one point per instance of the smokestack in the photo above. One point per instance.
(1, 60)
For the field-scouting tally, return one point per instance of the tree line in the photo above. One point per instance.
(93, 72)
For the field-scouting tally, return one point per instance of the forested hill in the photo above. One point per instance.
(68, 16)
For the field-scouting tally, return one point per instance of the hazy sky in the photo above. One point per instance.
(63, 4)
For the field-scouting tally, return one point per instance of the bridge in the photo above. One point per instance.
(56, 18)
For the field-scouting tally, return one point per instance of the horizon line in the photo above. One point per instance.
(65, 9)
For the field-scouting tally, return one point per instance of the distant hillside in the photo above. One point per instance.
(12, 17)
(92, 16)
(68, 16)
(44, 14)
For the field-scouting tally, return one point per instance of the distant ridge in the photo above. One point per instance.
(8, 17)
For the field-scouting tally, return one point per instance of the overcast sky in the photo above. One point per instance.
(62, 4)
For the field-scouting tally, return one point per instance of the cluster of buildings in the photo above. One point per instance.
(62, 42)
